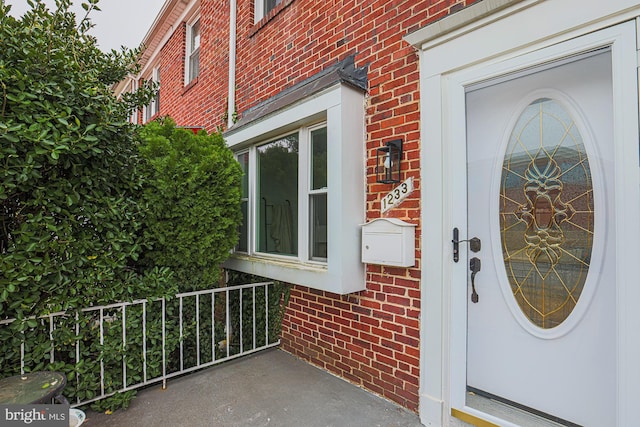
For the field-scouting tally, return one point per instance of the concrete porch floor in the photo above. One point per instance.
(270, 388)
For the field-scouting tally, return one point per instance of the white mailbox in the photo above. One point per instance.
(389, 241)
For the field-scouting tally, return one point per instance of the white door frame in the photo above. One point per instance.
(488, 39)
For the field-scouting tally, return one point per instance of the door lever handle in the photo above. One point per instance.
(474, 244)
(474, 265)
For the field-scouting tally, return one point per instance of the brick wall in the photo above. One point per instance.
(370, 338)
(203, 101)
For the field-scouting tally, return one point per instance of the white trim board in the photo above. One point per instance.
(483, 49)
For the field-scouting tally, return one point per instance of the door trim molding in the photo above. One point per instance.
(446, 68)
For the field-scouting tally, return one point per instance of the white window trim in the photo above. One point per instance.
(248, 199)
(469, 48)
(259, 11)
(309, 192)
(303, 193)
(342, 108)
(133, 86)
(154, 105)
(190, 51)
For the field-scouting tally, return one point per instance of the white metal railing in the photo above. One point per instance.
(179, 354)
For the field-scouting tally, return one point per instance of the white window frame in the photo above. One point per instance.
(191, 50)
(341, 109)
(153, 107)
(247, 199)
(133, 86)
(310, 192)
(259, 9)
(303, 196)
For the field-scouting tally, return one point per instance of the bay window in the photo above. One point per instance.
(303, 192)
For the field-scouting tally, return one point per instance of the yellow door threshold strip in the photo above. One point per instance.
(471, 419)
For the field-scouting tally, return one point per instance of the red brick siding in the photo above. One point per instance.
(203, 101)
(370, 338)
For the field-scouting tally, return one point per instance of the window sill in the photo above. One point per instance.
(189, 85)
(281, 262)
(316, 276)
(269, 16)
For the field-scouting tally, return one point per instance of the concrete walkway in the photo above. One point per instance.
(271, 388)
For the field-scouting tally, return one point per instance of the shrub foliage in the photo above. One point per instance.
(192, 202)
(69, 210)
(94, 210)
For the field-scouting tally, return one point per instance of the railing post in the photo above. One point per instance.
(241, 311)
(253, 306)
(266, 314)
(198, 329)
(124, 346)
(77, 351)
(51, 355)
(102, 351)
(144, 341)
(213, 326)
(22, 354)
(164, 351)
(227, 328)
(181, 339)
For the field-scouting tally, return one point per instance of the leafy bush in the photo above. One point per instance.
(192, 202)
(70, 215)
(69, 212)
(94, 210)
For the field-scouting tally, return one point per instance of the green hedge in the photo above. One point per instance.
(192, 202)
(95, 210)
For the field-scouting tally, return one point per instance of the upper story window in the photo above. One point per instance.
(153, 107)
(263, 7)
(133, 86)
(303, 192)
(192, 66)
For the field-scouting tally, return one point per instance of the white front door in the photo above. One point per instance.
(542, 334)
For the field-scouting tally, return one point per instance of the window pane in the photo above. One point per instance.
(194, 50)
(194, 65)
(270, 4)
(278, 196)
(318, 209)
(319, 159)
(243, 241)
(243, 159)
(156, 107)
(195, 36)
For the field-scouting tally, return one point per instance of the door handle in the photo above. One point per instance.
(475, 266)
(474, 244)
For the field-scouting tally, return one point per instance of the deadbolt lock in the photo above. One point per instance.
(474, 245)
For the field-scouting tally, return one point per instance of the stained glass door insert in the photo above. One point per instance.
(546, 213)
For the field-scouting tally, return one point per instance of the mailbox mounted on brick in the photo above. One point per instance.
(389, 241)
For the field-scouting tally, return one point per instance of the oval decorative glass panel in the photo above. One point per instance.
(546, 213)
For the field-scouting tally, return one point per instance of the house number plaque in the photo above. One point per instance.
(397, 195)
